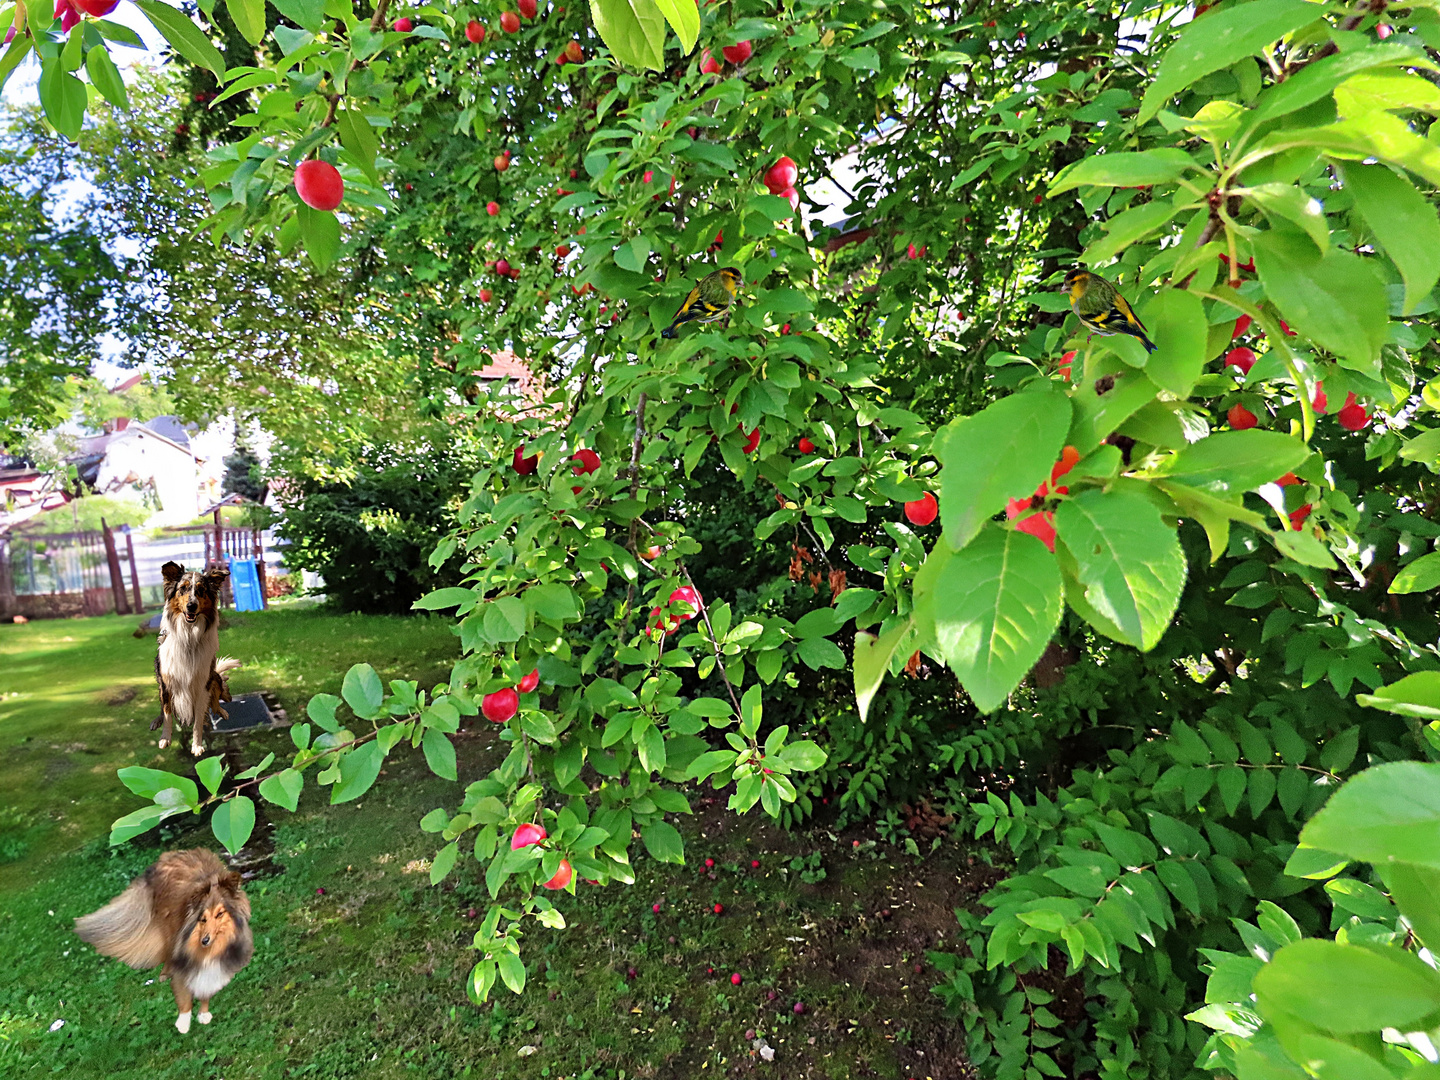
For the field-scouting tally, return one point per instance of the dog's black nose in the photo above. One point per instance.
(205, 940)
(192, 608)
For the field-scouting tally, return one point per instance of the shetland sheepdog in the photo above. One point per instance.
(187, 912)
(190, 676)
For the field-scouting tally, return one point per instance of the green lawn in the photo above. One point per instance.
(366, 979)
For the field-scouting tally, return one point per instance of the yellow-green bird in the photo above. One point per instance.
(1100, 307)
(709, 300)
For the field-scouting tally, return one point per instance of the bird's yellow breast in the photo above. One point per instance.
(1078, 286)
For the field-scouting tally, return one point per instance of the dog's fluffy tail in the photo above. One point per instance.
(126, 928)
(226, 664)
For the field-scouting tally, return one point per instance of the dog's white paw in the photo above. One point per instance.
(204, 1018)
(164, 743)
(182, 1023)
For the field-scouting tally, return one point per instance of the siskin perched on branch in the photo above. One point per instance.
(709, 300)
(1100, 307)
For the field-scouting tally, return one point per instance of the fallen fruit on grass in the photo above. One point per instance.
(319, 184)
(754, 864)
(922, 511)
(562, 876)
(501, 705)
(1241, 418)
(655, 908)
(719, 909)
(529, 682)
(709, 863)
(631, 973)
(799, 1009)
(735, 979)
(525, 835)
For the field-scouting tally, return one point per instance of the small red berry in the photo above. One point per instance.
(404, 25)
(485, 295)
(923, 510)
(474, 32)
(1352, 415)
(655, 908)
(709, 864)
(1242, 358)
(735, 979)
(754, 864)
(528, 9)
(510, 22)
(1241, 418)
(492, 208)
(719, 909)
(799, 1009)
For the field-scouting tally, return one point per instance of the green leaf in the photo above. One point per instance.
(634, 30)
(997, 603)
(1002, 452)
(62, 96)
(283, 789)
(512, 971)
(1124, 168)
(211, 771)
(505, 619)
(1177, 323)
(684, 19)
(710, 762)
(249, 18)
(183, 36)
(1318, 79)
(1348, 989)
(358, 137)
(444, 862)
(1289, 203)
(307, 13)
(1129, 561)
(320, 232)
(802, 756)
(1388, 813)
(821, 653)
(233, 822)
(554, 603)
(632, 254)
(18, 50)
(363, 692)
(1403, 221)
(1334, 298)
(137, 822)
(1422, 575)
(322, 710)
(1415, 695)
(105, 77)
(1230, 463)
(443, 598)
(439, 754)
(662, 841)
(872, 661)
(147, 783)
(1124, 229)
(358, 770)
(1220, 40)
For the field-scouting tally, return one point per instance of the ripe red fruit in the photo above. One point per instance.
(529, 682)
(404, 24)
(754, 864)
(655, 908)
(474, 32)
(510, 22)
(1069, 458)
(1284, 327)
(708, 64)
(922, 511)
(502, 162)
(799, 1008)
(501, 705)
(752, 441)
(492, 208)
(1352, 415)
(1288, 479)
(502, 267)
(785, 329)
(1242, 324)
(96, 8)
(564, 874)
(526, 835)
(485, 296)
(806, 446)
(1320, 402)
(1297, 517)
(319, 184)
(781, 175)
(649, 175)
(1041, 526)
(735, 979)
(1383, 31)
(719, 909)
(586, 462)
(1241, 418)
(562, 250)
(528, 9)
(738, 53)
(1242, 358)
(1039, 199)
(709, 864)
(1066, 362)
(524, 465)
(791, 196)
(514, 273)
(575, 54)
(686, 595)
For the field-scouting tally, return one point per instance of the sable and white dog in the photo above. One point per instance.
(190, 676)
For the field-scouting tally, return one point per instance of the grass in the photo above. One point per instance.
(366, 978)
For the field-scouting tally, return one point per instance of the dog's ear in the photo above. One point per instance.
(215, 578)
(172, 572)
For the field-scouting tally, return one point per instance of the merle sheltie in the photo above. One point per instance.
(187, 912)
(190, 676)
